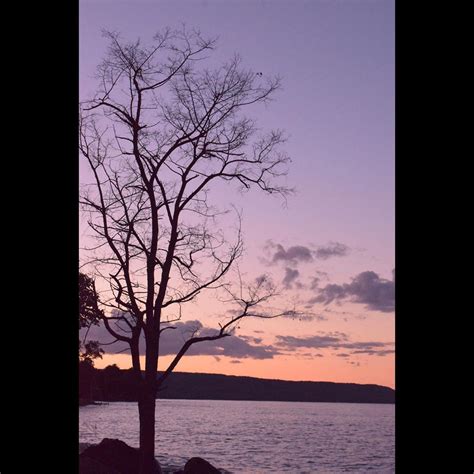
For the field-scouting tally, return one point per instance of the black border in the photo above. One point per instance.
(40, 192)
(430, 388)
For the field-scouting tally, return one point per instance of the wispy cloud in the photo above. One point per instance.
(381, 352)
(333, 249)
(335, 341)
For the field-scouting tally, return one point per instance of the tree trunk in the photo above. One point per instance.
(146, 409)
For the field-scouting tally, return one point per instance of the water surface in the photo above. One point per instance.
(249, 437)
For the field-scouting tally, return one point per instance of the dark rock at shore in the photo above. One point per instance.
(91, 466)
(199, 466)
(111, 456)
(83, 446)
(83, 402)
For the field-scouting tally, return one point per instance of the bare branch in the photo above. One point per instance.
(160, 131)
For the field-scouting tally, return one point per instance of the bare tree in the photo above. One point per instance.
(159, 133)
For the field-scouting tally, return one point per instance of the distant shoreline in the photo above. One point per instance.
(115, 384)
(233, 400)
(196, 386)
(269, 379)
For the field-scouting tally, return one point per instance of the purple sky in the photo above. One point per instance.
(336, 59)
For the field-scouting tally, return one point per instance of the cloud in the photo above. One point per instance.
(172, 340)
(314, 342)
(382, 352)
(293, 255)
(297, 254)
(366, 288)
(333, 249)
(335, 340)
(236, 361)
(256, 340)
(307, 355)
(315, 281)
(364, 346)
(303, 316)
(290, 277)
(232, 346)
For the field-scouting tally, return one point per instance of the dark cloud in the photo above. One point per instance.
(172, 340)
(297, 254)
(382, 352)
(315, 281)
(329, 293)
(314, 284)
(236, 361)
(366, 288)
(333, 249)
(335, 341)
(293, 255)
(314, 342)
(343, 354)
(290, 277)
(231, 346)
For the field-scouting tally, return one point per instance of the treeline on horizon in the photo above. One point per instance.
(113, 384)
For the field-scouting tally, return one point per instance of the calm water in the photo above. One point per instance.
(257, 437)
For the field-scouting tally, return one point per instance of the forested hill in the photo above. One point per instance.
(225, 387)
(113, 384)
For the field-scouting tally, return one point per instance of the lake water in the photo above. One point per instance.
(257, 437)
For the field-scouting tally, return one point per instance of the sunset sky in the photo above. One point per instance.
(331, 247)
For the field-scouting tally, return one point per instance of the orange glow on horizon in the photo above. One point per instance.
(329, 368)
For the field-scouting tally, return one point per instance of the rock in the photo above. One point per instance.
(83, 446)
(113, 455)
(91, 466)
(199, 466)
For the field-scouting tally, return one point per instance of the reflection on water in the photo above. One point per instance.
(257, 437)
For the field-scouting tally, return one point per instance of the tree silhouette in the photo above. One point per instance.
(89, 314)
(160, 133)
